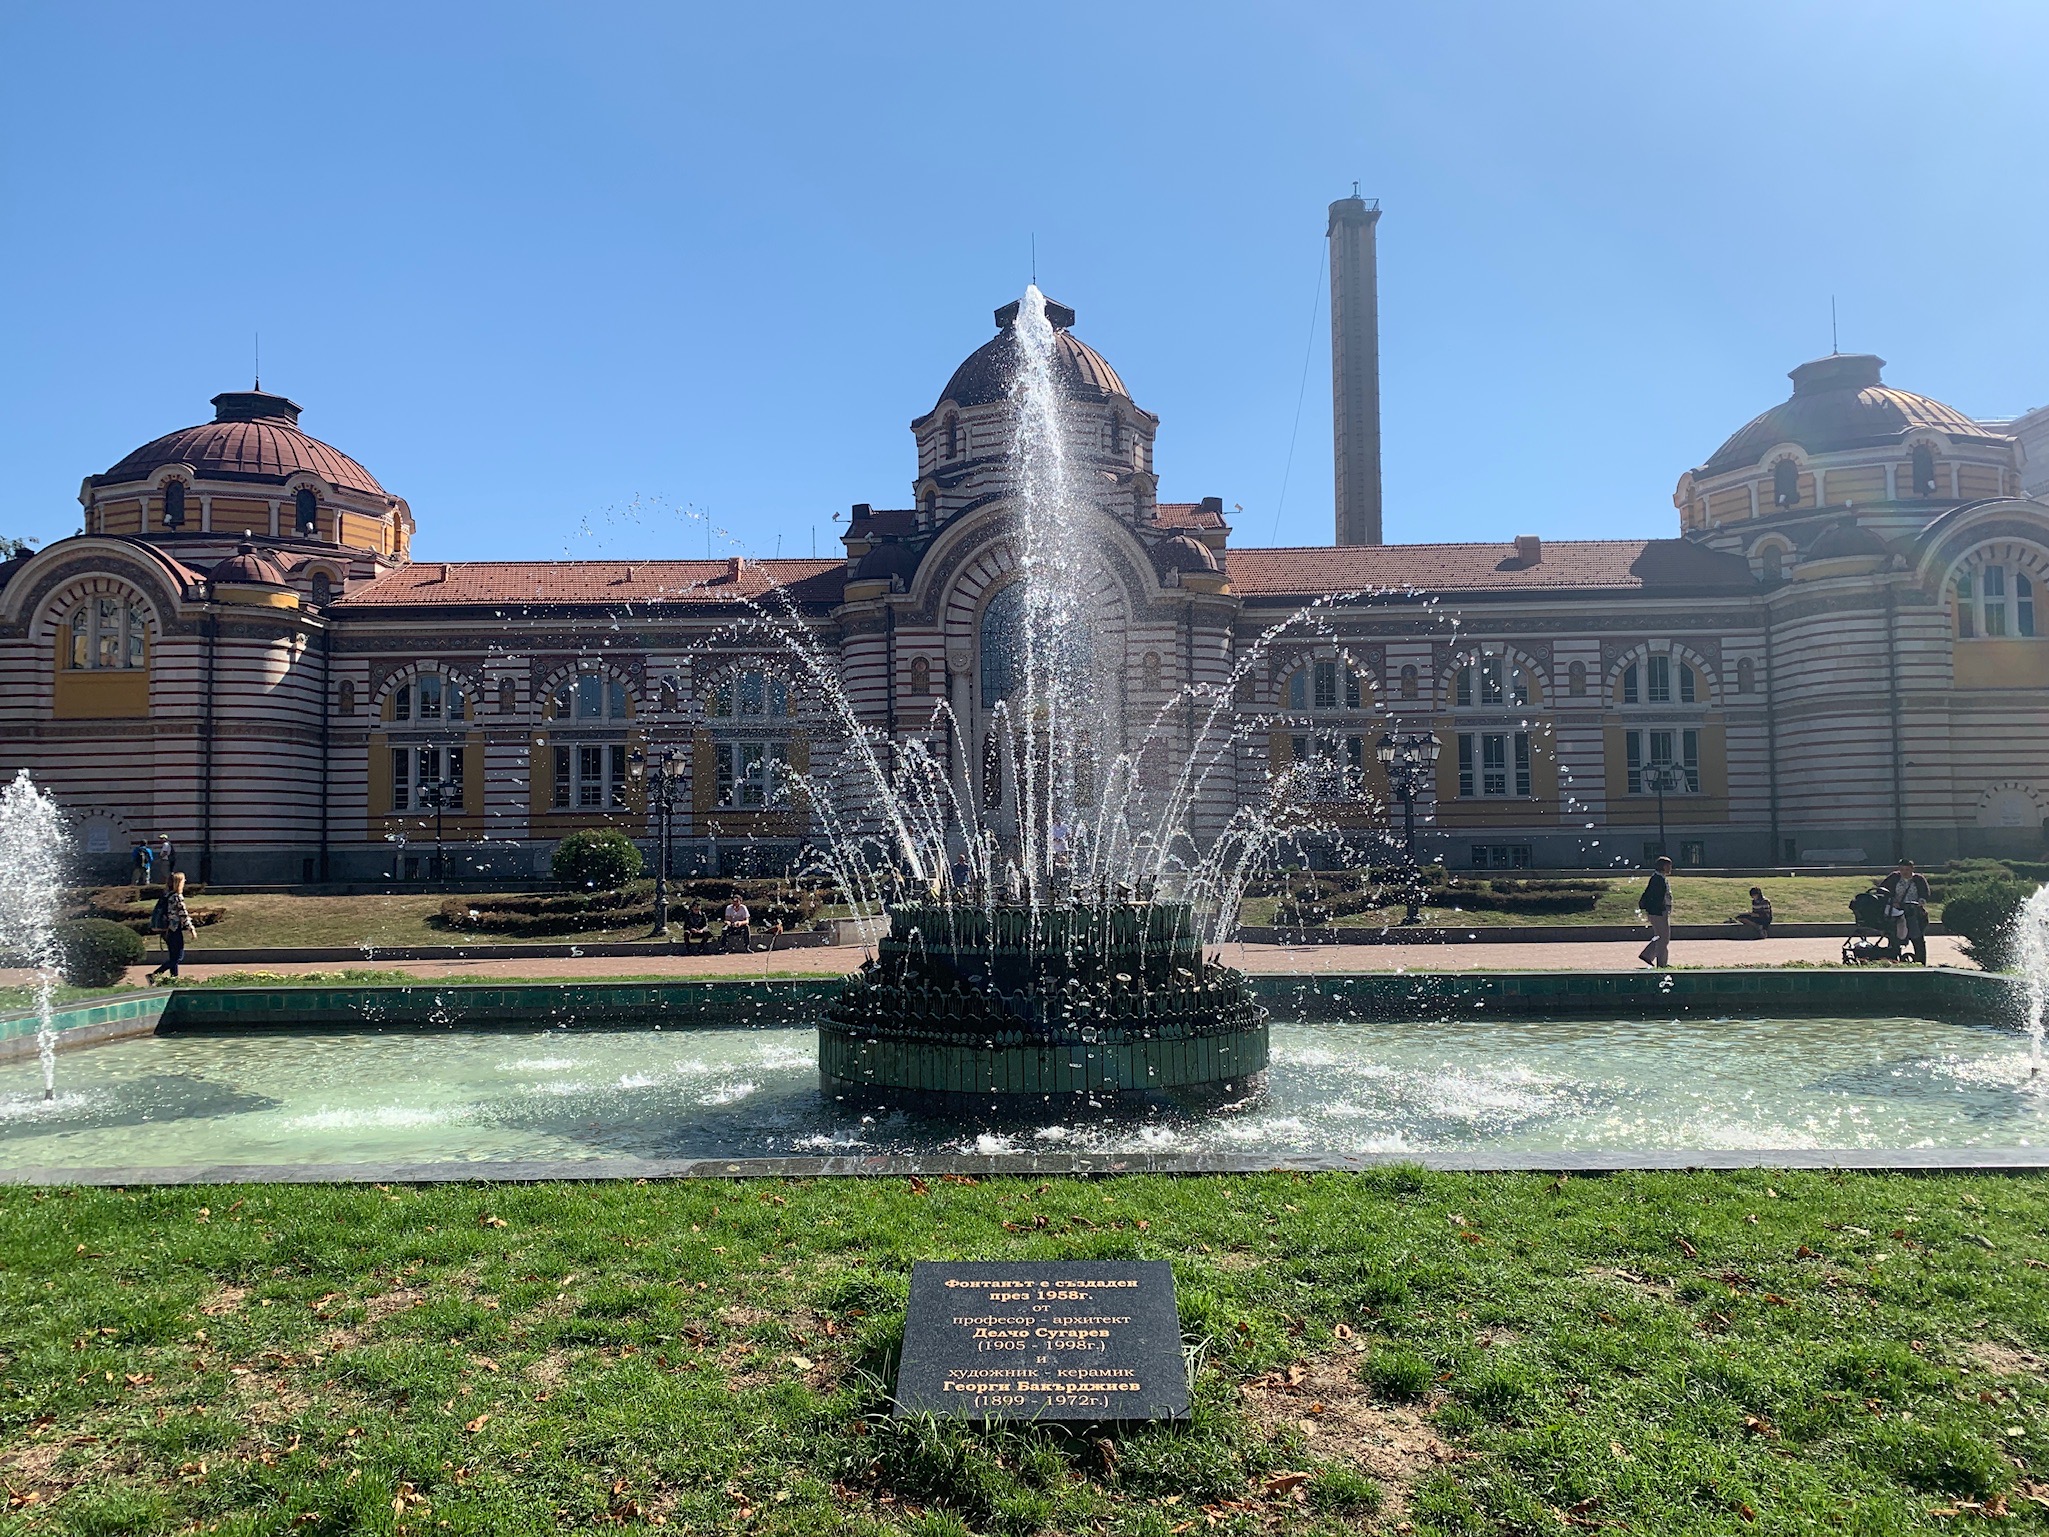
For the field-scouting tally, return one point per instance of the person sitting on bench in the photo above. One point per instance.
(696, 927)
(1759, 919)
(738, 922)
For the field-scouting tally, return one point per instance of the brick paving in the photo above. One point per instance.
(1557, 955)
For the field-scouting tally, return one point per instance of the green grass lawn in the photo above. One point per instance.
(1746, 1353)
(1696, 899)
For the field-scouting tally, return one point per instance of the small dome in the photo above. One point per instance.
(1181, 553)
(253, 436)
(1845, 538)
(985, 377)
(1840, 402)
(247, 568)
(891, 558)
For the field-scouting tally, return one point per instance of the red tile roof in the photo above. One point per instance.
(606, 582)
(1180, 515)
(1574, 565)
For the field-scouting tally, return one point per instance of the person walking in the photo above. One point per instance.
(171, 920)
(1759, 919)
(1656, 906)
(167, 858)
(1906, 909)
(139, 858)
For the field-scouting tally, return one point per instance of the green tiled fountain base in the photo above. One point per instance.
(1163, 1065)
(1931, 993)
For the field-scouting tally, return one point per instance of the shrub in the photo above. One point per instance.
(97, 951)
(603, 858)
(131, 906)
(1984, 913)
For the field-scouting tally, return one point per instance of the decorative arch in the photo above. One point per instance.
(1514, 661)
(1769, 557)
(384, 704)
(1707, 687)
(1996, 589)
(1347, 681)
(2012, 804)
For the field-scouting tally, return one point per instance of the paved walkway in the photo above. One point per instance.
(1607, 955)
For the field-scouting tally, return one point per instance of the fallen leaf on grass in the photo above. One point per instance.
(1687, 1249)
(477, 1424)
(487, 1220)
(1286, 1483)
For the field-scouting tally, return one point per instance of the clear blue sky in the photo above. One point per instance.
(551, 270)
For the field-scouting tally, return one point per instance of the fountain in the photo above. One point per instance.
(1046, 944)
(2032, 941)
(32, 840)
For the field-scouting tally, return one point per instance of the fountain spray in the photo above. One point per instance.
(2032, 934)
(32, 842)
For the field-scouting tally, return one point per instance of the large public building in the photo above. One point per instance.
(1837, 656)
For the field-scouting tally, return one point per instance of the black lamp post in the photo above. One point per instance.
(1663, 778)
(437, 793)
(663, 786)
(1410, 758)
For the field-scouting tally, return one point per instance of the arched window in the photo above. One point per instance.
(1489, 681)
(751, 693)
(1576, 680)
(1003, 621)
(1786, 484)
(107, 633)
(426, 699)
(345, 698)
(1992, 597)
(952, 436)
(1923, 460)
(2023, 605)
(1149, 672)
(929, 502)
(1772, 560)
(174, 504)
(508, 696)
(1746, 676)
(323, 587)
(306, 512)
(1116, 433)
(1632, 684)
(921, 676)
(1408, 683)
(1962, 596)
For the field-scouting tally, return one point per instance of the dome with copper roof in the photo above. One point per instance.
(248, 568)
(1840, 402)
(1178, 552)
(254, 436)
(985, 376)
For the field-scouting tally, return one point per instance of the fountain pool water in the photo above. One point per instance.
(32, 843)
(1467, 1084)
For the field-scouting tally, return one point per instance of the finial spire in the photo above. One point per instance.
(259, 362)
(1835, 346)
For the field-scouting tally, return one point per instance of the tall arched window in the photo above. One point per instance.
(345, 698)
(323, 587)
(929, 502)
(1923, 460)
(591, 696)
(1408, 683)
(1576, 680)
(1772, 561)
(1003, 620)
(427, 698)
(1116, 433)
(1149, 672)
(306, 512)
(750, 692)
(1746, 676)
(1489, 680)
(1786, 484)
(174, 504)
(508, 696)
(921, 676)
(952, 436)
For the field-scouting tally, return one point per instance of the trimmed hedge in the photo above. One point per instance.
(1984, 912)
(632, 906)
(97, 951)
(602, 858)
(130, 906)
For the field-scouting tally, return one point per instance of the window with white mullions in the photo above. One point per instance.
(751, 775)
(1675, 747)
(590, 696)
(751, 692)
(416, 770)
(590, 776)
(1325, 685)
(1653, 680)
(107, 633)
(1493, 764)
(1490, 681)
(426, 698)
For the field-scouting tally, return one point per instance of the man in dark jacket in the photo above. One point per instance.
(1906, 909)
(1656, 906)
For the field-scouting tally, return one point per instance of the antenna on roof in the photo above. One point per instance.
(259, 360)
(1835, 347)
(1355, 189)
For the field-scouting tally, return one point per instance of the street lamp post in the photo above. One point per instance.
(436, 792)
(1410, 759)
(1664, 778)
(663, 785)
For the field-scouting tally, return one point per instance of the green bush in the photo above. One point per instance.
(97, 951)
(1983, 912)
(604, 859)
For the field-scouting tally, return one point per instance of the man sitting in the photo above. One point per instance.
(696, 928)
(738, 923)
(1759, 919)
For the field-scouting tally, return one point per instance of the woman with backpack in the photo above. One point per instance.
(170, 919)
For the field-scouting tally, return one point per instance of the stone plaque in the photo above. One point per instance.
(1081, 1340)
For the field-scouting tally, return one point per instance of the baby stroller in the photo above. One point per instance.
(1877, 936)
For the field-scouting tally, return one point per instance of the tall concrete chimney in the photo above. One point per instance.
(1355, 366)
